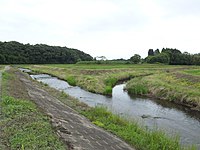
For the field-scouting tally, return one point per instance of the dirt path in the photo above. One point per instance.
(77, 132)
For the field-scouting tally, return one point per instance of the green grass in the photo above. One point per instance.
(193, 72)
(140, 137)
(71, 80)
(23, 126)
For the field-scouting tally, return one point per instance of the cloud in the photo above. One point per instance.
(114, 28)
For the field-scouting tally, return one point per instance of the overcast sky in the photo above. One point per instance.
(112, 28)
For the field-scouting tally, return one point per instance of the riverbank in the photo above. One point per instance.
(22, 124)
(171, 86)
(98, 78)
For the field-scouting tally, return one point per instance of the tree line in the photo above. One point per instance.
(172, 56)
(17, 53)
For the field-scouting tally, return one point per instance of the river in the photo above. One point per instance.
(154, 114)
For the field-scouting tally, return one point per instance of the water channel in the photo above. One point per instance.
(171, 118)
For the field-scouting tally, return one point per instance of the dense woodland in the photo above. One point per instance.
(172, 57)
(17, 53)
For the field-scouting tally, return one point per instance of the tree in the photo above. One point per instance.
(157, 51)
(150, 52)
(135, 59)
(159, 58)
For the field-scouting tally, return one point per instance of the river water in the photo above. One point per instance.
(171, 118)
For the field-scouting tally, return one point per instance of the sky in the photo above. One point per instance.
(111, 28)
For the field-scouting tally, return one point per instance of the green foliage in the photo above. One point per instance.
(172, 57)
(18, 53)
(135, 59)
(150, 52)
(141, 138)
(159, 58)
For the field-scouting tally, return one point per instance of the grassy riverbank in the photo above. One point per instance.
(22, 124)
(97, 78)
(172, 86)
(136, 135)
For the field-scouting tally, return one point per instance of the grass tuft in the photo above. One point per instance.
(71, 80)
(137, 87)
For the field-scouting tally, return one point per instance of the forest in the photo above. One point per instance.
(17, 53)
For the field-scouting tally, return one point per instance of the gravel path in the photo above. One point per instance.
(77, 131)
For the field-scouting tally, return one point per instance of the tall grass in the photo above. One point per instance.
(168, 87)
(137, 87)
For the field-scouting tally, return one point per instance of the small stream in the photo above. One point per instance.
(171, 118)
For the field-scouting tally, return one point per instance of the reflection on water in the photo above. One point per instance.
(151, 113)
